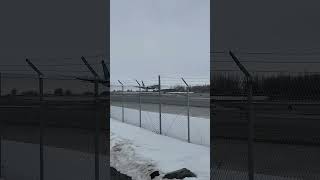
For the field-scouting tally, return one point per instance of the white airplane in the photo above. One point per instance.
(154, 88)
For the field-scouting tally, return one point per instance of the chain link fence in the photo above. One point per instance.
(52, 125)
(275, 134)
(173, 112)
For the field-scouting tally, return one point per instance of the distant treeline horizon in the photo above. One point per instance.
(280, 86)
(56, 92)
(304, 86)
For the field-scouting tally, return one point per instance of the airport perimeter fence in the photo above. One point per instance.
(53, 125)
(265, 121)
(174, 112)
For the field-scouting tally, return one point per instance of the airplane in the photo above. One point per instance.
(155, 88)
(146, 88)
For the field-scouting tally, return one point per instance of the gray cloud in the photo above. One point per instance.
(151, 37)
(268, 26)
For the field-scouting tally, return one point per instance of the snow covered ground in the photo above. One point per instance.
(137, 152)
(173, 125)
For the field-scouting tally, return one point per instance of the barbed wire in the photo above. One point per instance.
(302, 52)
(269, 62)
(47, 65)
(265, 71)
(89, 56)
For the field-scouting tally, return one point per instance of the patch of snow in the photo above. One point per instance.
(137, 152)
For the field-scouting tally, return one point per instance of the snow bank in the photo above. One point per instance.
(138, 152)
(173, 125)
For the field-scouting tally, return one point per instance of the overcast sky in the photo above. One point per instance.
(151, 37)
(166, 37)
(47, 32)
(285, 27)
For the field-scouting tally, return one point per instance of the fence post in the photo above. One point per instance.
(97, 129)
(139, 103)
(159, 87)
(0, 135)
(40, 76)
(41, 128)
(188, 107)
(0, 86)
(251, 130)
(97, 122)
(0, 151)
(122, 98)
(96, 88)
(250, 117)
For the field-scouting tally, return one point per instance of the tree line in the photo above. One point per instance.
(56, 92)
(276, 86)
(305, 86)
